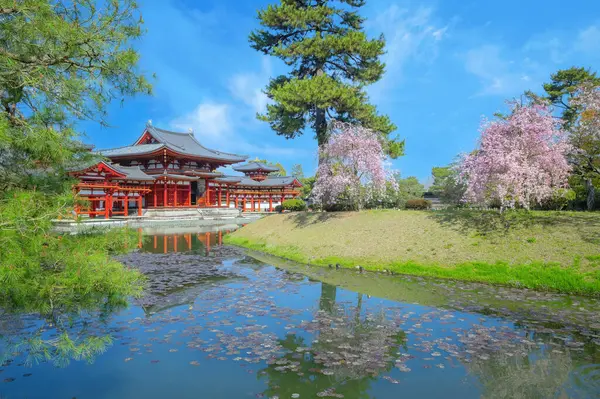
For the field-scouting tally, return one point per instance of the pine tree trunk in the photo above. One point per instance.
(591, 195)
(320, 123)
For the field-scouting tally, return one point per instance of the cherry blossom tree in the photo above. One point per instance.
(585, 139)
(353, 167)
(521, 159)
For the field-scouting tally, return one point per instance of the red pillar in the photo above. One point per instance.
(155, 242)
(175, 243)
(227, 196)
(207, 193)
(237, 202)
(165, 244)
(154, 192)
(253, 208)
(126, 204)
(220, 237)
(165, 196)
(139, 202)
(244, 204)
(106, 205)
(220, 190)
(189, 200)
(270, 203)
(175, 194)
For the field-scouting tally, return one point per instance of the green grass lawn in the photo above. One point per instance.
(557, 251)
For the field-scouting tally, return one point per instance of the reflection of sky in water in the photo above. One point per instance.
(226, 343)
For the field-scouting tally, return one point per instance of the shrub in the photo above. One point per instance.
(278, 209)
(295, 204)
(418, 203)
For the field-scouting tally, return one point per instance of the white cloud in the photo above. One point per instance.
(411, 36)
(588, 40)
(500, 75)
(248, 86)
(547, 46)
(209, 120)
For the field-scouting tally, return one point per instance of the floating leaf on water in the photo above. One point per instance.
(128, 359)
(195, 363)
(8, 380)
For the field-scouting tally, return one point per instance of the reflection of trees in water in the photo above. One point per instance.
(68, 332)
(541, 374)
(349, 351)
(517, 366)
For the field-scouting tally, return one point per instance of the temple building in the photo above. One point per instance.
(164, 169)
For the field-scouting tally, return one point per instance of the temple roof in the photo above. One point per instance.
(132, 150)
(132, 172)
(282, 181)
(255, 167)
(184, 143)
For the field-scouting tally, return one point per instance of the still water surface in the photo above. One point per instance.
(215, 322)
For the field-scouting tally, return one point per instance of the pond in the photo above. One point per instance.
(217, 322)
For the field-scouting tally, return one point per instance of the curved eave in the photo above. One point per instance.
(118, 174)
(172, 152)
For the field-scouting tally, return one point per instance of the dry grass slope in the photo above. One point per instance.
(517, 248)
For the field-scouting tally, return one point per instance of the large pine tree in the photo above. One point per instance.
(332, 60)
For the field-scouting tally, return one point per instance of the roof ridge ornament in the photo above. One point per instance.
(149, 123)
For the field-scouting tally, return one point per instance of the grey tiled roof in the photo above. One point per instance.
(187, 143)
(255, 166)
(269, 182)
(131, 150)
(184, 143)
(133, 172)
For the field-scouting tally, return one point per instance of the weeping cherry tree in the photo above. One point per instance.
(521, 159)
(353, 168)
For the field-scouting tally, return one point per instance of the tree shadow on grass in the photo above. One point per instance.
(491, 222)
(305, 219)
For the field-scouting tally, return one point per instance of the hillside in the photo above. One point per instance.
(542, 250)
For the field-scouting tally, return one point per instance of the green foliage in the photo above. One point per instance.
(297, 172)
(561, 200)
(60, 62)
(446, 185)
(563, 86)
(294, 205)
(420, 203)
(397, 196)
(41, 271)
(282, 171)
(307, 186)
(332, 61)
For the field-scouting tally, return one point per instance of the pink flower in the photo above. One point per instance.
(353, 165)
(521, 160)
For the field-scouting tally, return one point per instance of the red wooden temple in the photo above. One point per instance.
(171, 170)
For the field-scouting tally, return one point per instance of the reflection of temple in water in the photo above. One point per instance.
(163, 241)
(179, 266)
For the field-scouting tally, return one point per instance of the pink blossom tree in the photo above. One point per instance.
(521, 159)
(353, 167)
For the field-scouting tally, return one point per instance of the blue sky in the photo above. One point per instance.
(449, 62)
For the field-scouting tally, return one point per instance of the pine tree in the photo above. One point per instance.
(332, 60)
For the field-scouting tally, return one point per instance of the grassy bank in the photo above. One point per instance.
(557, 251)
